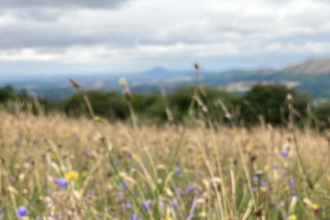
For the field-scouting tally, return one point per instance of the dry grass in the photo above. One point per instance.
(221, 165)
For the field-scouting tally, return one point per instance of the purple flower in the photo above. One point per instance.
(11, 178)
(120, 197)
(179, 191)
(284, 153)
(62, 182)
(255, 179)
(130, 155)
(292, 183)
(276, 167)
(116, 163)
(123, 186)
(177, 171)
(190, 188)
(284, 172)
(254, 189)
(99, 214)
(21, 212)
(162, 205)
(134, 216)
(282, 203)
(146, 204)
(193, 208)
(175, 203)
(128, 206)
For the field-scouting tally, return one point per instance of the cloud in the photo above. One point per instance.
(150, 31)
(60, 3)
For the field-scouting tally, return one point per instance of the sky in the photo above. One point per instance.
(115, 36)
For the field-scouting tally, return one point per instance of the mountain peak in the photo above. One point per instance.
(311, 66)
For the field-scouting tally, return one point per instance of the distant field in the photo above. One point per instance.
(58, 168)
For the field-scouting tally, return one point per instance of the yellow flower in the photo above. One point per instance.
(53, 156)
(292, 217)
(72, 175)
(315, 206)
(66, 135)
(96, 118)
(168, 218)
(84, 173)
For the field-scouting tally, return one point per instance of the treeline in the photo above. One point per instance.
(261, 104)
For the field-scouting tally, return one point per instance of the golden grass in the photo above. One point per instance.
(220, 163)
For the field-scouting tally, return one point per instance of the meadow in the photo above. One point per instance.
(57, 167)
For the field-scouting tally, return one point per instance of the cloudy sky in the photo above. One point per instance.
(113, 36)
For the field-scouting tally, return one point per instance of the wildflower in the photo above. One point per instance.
(162, 205)
(284, 153)
(84, 174)
(282, 203)
(254, 189)
(116, 163)
(276, 167)
(292, 217)
(179, 191)
(130, 155)
(134, 216)
(146, 204)
(193, 208)
(255, 179)
(62, 182)
(190, 188)
(120, 197)
(175, 203)
(292, 183)
(177, 171)
(284, 172)
(168, 218)
(128, 206)
(123, 186)
(21, 212)
(72, 175)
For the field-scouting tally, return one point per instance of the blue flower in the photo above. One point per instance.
(116, 163)
(146, 204)
(175, 203)
(21, 212)
(255, 179)
(62, 182)
(134, 216)
(179, 191)
(190, 188)
(123, 186)
(292, 183)
(284, 153)
(177, 171)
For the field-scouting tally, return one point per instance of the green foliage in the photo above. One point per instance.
(269, 102)
(217, 106)
(111, 105)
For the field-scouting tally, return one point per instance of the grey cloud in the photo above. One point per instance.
(61, 3)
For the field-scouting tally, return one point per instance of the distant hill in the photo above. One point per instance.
(312, 66)
(312, 75)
